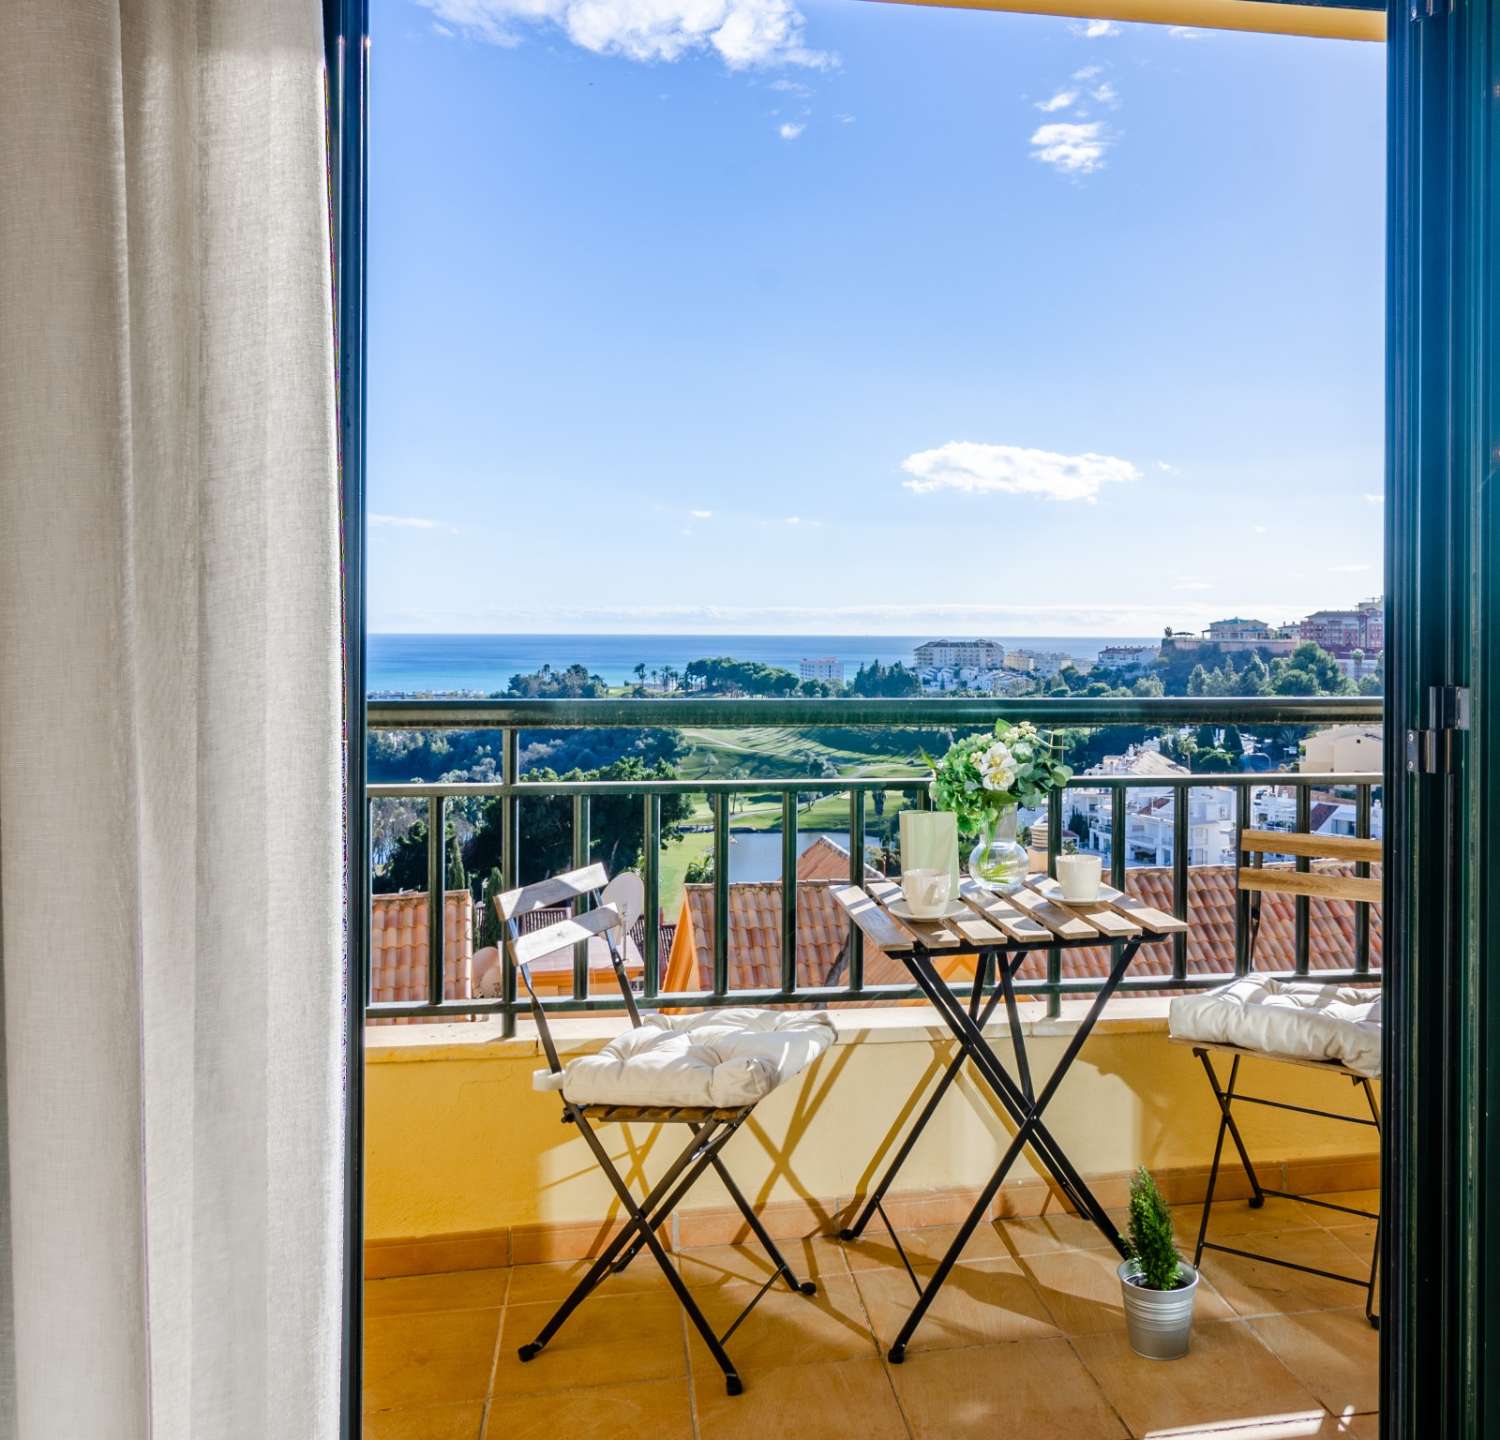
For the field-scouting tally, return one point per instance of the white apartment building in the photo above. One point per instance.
(823, 667)
(1150, 827)
(965, 654)
(1128, 657)
(1344, 749)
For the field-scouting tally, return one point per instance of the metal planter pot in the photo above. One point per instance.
(1159, 1322)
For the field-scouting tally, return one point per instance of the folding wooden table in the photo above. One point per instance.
(1001, 931)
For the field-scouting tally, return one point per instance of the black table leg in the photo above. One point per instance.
(1030, 1128)
(1016, 1104)
(982, 1018)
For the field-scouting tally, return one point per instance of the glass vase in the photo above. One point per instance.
(998, 862)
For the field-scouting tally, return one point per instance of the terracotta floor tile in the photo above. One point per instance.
(984, 1303)
(1235, 1217)
(810, 1259)
(425, 1422)
(647, 1410)
(784, 1329)
(832, 1401)
(1334, 1353)
(1310, 1426)
(607, 1340)
(429, 1358)
(1256, 1287)
(1227, 1378)
(1059, 1230)
(924, 1246)
(455, 1290)
(1081, 1291)
(554, 1279)
(1033, 1388)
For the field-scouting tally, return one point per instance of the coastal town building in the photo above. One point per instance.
(1128, 657)
(828, 668)
(962, 654)
(1341, 632)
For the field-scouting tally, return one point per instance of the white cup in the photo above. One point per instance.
(1078, 877)
(927, 891)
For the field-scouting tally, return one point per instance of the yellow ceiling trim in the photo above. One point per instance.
(1325, 21)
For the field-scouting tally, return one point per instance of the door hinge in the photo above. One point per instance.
(1419, 10)
(1432, 751)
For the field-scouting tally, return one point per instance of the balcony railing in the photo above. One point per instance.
(511, 718)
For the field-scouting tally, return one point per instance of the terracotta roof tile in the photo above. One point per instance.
(755, 935)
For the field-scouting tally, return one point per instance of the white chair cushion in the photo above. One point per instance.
(1295, 1019)
(722, 1059)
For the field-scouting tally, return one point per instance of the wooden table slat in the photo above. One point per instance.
(1100, 912)
(998, 910)
(1063, 923)
(934, 934)
(874, 922)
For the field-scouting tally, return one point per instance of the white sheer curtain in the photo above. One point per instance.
(170, 746)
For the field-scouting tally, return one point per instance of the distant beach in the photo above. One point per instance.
(423, 664)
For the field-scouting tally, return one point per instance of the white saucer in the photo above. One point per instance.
(904, 911)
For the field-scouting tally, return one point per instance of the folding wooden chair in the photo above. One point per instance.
(776, 1046)
(1300, 1036)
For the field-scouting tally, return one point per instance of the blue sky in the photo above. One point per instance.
(741, 315)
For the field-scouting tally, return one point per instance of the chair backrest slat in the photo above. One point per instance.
(1312, 882)
(526, 948)
(1311, 847)
(555, 891)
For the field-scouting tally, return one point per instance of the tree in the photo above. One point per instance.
(1233, 741)
(574, 683)
(616, 824)
(490, 931)
(640, 673)
(1326, 672)
(1197, 680)
(407, 867)
(1207, 737)
(1078, 823)
(1296, 682)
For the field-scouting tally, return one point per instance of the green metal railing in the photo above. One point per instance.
(511, 718)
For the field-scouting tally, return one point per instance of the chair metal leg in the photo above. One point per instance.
(643, 1219)
(1370, 1312)
(800, 1287)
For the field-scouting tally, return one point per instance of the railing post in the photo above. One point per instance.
(1241, 897)
(1303, 823)
(856, 877)
(436, 897)
(721, 893)
(510, 862)
(1362, 868)
(1181, 808)
(789, 891)
(651, 879)
(581, 903)
(1054, 955)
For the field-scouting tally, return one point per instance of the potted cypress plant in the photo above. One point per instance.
(1157, 1284)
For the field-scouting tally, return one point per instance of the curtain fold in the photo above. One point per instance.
(171, 867)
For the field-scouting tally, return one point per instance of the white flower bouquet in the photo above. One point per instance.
(984, 775)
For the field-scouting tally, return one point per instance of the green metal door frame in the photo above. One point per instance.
(1440, 1199)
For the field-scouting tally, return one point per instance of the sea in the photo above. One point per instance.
(483, 664)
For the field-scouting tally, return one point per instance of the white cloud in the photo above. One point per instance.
(412, 522)
(980, 469)
(1073, 148)
(1375, 497)
(1088, 73)
(1353, 568)
(1164, 467)
(844, 119)
(1106, 94)
(1184, 32)
(789, 130)
(743, 33)
(791, 87)
(1261, 529)
(701, 514)
(1095, 29)
(1060, 101)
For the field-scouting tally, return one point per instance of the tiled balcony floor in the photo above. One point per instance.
(1027, 1339)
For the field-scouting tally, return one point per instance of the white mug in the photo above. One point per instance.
(1078, 877)
(927, 891)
